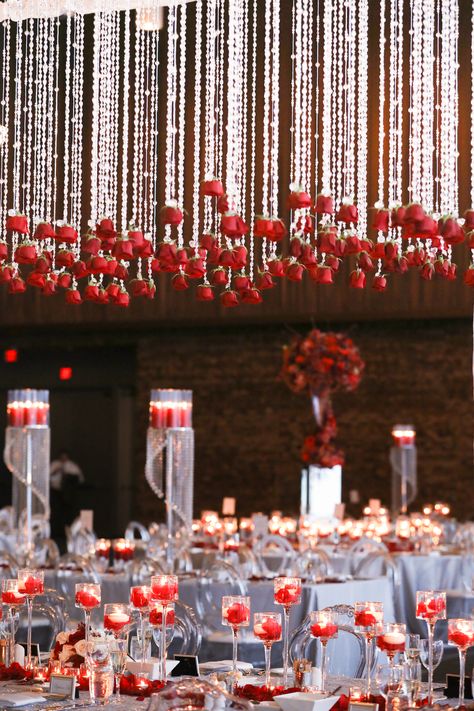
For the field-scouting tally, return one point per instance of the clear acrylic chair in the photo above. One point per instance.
(275, 556)
(313, 565)
(71, 569)
(220, 579)
(49, 616)
(143, 569)
(377, 564)
(346, 654)
(136, 530)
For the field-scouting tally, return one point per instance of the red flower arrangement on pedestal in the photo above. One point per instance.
(318, 364)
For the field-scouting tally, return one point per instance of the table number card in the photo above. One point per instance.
(228, 506)
(188, 665)
(260, 524)
(61, 685)
(362, 706)
(374, 506)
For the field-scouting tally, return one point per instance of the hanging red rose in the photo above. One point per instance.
(427, 271)
(49, 287)
(204, 292)
(232, 225)
(65, 233)
(323, 274)
(229, 298)
(378, 250)
(379, 282)
(276, 267)
(212, 187)
(219, 277)
(16, 222)
(414, 213)
(241, 282)
(357, 279)
(327, 239)
(305, 225)
(264, 281)
(91, 292)
(145, 250)
(122, 299)
(105, 230)
(171, 214)
(208, 241)
(44, 262)
(25, 253)
(397, 216)
(6, 273)
(296, 247)
(112, 290)
(16, 285)
(251, 296)
(123, 248)
(96, 265)
(333, 262)
(353, 245)
(179, 282)
(451, 275)
(381, 220)
(340, 247)
(469, 276)
(195, 268)
(400, 264)
(239, 257)
(166, 253)
(426, 228)
(3, 251)
(469, 220)
(347, 213)
(91, 244)
(102, 297)
(73, 296)
(293, 270)
(65, 258)
(138, 287)
(36, 279)
(364, 262)
(44, 230)
(263, 226)
(64, 280)
(308, 256)
(214, 255)
(324, 204)
(298, 199)
(278, 231)
(223, 204)
(450, 230)
(391, 249)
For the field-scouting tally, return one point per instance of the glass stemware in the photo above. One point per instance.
(412, 678)
(431, 607)
(461, 634)
(391, 639)
(235, 614)
(267, 628)
(117, 618)
(437, 649)
(87, 599)
(30, 583)
(155, 618)
(323, 626)
(368, 616)
(412, 648)
(118, 658)
(140, 599)
(13, 599)
(389, 680)
(164, 590)
(287, 592)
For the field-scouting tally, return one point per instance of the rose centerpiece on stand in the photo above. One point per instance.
(318, 364)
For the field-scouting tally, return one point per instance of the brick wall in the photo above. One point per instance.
(249, 426)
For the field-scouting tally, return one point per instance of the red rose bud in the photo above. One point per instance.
(212, 188)
(451, 231)
(226, 258)
(364, 262)
(214, 255)
(43, 263)
(427, 227)
(195, 268)
(17, 223)
(469, 276)
(324, 204)
(294, 271)
(6, 274)
(64, 280)
(427, 271)
(419, 256)
(122, 299)
(469, 220)
(91, 292)
(401, 265)
(239, 257)
(79, 269)
(381, 220)
(66, 233)
(145, 250)
(347, 213)
(279, 230)
(112, 290)
(139, 287)
(324, 274)
(251, 296)
(263, 227)
(121, 272)
(208, 241)
(49, 287)
(276, 267)
(36, 279)
(340, 247)
(229, 298)
(327, 239)
(97, 265)
(299, 200)
(16, 285)
(219, 277)
(397, 216)
(305, 224)
(391, 249)
(265, 281)
(171, 214)
(414, 213)
(379, 282)
(123, 249)
(451, 275)
(308, 256)
(223, 204)
(241, 282)
(232, 225)
(357, 279)
(296, 247)
(333, 262)
(91, 245)
(166, 252)
(378, 250)
(237, 614)
(102, 297)
(441, 267)
(25, 254)
(179, 282)
(3, 251)
(352, 244)
(136, 236)
(65, 258)
(204, 292)
(44, 230)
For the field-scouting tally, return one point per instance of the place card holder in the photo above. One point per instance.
(188, 665)
(452, 687)
(363, 706)
(61, 685)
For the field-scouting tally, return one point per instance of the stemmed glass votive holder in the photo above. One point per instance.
(368, 616)
(165, 591)
(13, 599)
(235, 614)
(31, 584)
(140, 599)
(117, 618)
(323, 626)
(267, 628)
(391, 639)
(431, 607)
(286, 592)
(87, 598)
(461, 634)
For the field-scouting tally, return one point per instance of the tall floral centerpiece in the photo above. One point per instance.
(318, 364)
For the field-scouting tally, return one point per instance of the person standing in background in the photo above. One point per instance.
(65, 478)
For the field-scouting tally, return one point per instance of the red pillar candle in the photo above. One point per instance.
(170, 408)
(403, 435)
(28, 408)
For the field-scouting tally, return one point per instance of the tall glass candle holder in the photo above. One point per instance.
(403, 460)
(287, 592)
(368, 616)
(87, 599)
(323, 627)
(171, 408)
(164, 590)
(431, 607)
(31, 584)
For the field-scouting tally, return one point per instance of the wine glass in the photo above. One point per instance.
(164, 590)
(287, 592)
(116, 617)
(30, 583)
(235, 614)
(155, 618)
(412, 648)
(391, 639)
(367, 617)
(461, 634)
(267, 628)
(389, 680)
(412, 678)
(87, 599)
(118, 658)
(323, 626)
(14, 599)
(140, 599)
(430, 606)
(437, 649)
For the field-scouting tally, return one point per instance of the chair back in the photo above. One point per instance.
(72, 569)
(313, 565)
(221, 578)
(136, 530)
(275, 556)
(377, 564)
(49, 613)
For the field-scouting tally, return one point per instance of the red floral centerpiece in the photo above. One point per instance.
(319, 363)
(70, 647)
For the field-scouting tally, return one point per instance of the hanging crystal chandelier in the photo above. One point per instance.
(103, 198)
